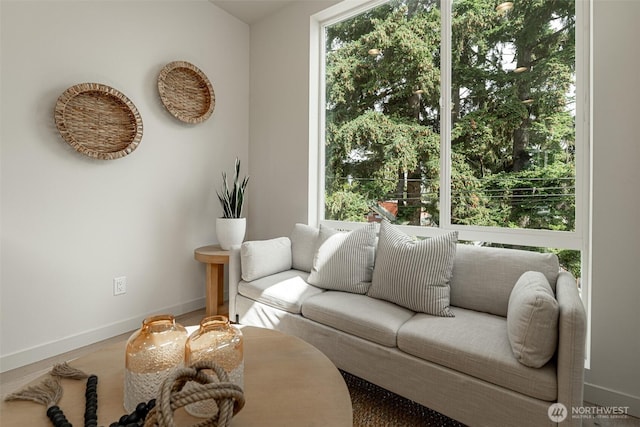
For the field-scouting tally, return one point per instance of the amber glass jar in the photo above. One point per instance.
(152, 353)
(218, 341)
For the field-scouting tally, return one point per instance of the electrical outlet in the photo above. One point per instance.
(119, 285)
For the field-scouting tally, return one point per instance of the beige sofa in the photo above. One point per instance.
(470, 367)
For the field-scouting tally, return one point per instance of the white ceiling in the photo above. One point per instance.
(251, 11)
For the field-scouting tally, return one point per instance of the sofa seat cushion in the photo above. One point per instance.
(368, 318)
(285, 290)
(476, 344)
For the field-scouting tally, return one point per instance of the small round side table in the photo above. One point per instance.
(215, 258)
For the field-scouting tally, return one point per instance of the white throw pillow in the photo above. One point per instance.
(414, 273)
(260, 258)
(532, 320)
(303, 246)
(344, 261)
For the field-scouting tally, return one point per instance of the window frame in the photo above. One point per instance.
(514, 236)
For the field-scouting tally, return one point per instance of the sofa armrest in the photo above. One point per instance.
(572, 332)
(235, 275)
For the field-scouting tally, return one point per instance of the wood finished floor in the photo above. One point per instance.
(15, 379)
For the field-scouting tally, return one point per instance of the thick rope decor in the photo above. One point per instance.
(63, 370)
(229, 397)
(47, 393)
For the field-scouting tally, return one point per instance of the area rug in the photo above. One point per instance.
(374, 406)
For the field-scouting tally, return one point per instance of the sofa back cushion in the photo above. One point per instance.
(483, 277)
(304, 240)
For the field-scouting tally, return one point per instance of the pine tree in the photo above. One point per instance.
(511, 130)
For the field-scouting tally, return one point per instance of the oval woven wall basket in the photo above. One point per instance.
(98, 121)
(186, 92)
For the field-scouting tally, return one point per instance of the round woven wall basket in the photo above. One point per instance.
(186, 92)
(98, 121)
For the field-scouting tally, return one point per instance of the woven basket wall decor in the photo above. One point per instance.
(186, 92)
(98, 121)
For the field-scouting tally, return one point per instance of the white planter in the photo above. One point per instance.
(230, 231)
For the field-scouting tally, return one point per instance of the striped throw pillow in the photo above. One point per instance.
(414, 273)
(344, 261)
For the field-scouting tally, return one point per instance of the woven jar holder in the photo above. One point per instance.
(98, 121)
(229, 397)
(186, 92)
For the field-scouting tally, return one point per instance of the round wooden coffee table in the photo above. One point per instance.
(287, 382)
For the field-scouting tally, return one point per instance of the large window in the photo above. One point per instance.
(458, 114)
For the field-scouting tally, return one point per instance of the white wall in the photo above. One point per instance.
(614, 378)
(70, 224)
(279, 135)
(279, 160)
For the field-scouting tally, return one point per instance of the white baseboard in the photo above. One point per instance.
(72, 342)
(603, 396)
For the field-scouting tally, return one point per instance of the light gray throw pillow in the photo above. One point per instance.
(303, 246)
(532, 320)
(344, 261)
(260, 258)
(414, 273)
